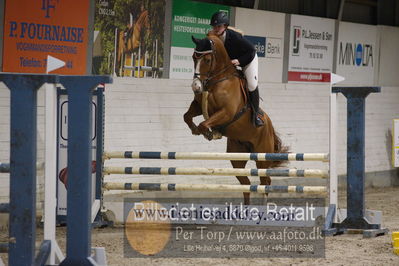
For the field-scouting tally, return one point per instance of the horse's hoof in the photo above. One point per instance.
(217, 135)
(208, 135)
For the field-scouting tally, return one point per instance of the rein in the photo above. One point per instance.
(209, 81)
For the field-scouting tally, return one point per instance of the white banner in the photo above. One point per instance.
(266, 31)
(357, 53)
(388, 56)
(63, 153)
(181, 63)
(311, 49)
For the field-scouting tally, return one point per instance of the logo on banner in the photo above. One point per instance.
(273, 47)
(47, 5)
(296, 40)
(42, 28)
(259, 44)
(355, 54)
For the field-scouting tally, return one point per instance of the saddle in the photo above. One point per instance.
(245, 92)
(243, 85)
(247, 104)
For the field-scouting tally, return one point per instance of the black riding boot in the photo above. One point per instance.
(256, 115)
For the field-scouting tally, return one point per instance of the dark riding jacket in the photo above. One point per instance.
(239, 48)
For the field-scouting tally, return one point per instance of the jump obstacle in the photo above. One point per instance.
(316, 173)
(355, 216)
(215, 171)
(5, 167)
(233, 156)
(23, 89)
(214, 188)
(22, 206)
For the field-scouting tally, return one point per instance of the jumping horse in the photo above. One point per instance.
(129, 40)
(219, 94)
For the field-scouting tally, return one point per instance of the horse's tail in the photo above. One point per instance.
(279, 148)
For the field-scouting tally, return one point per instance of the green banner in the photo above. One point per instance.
(192, 18)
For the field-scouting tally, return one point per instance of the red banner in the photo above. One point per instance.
(309, 76)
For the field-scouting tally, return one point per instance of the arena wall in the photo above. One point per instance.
(147, 115)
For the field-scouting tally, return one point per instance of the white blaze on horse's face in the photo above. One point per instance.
(197, 84)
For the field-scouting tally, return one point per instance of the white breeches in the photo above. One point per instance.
(251, 73)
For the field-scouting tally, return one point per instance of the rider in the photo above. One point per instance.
(242, 53)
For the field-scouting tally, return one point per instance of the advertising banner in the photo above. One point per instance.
(356, 53)
(62, 171)
(188, 18)
(35, 29)
(388, 56)
(395, 143)
(265, 30)
(311, 47)
(129, 37)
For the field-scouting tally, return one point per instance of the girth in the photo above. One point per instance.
(222, 128)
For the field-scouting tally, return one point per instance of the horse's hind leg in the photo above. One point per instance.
(235, 146)
(264, 180)
(244, 180)
(265, 145)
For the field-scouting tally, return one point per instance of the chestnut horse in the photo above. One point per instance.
(129, 40)
(228, 109)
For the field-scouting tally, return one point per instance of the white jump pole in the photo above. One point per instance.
(50, 170)
(132, 54)
(115, 52)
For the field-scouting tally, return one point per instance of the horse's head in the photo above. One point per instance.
(144, 19)
(203, 57)
(210, 61)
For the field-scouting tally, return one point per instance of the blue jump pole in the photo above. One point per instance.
(356, 102)
(22, 232)
(80, 90)
(99, 221)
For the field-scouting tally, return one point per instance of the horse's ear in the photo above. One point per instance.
(195, 40)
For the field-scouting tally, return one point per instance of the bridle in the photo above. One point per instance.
(209, 76)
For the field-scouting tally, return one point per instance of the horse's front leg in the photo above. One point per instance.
(193, 111)
(219, 118)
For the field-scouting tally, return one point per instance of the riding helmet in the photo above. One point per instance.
(219, 18)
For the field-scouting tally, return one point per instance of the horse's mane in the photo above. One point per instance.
(142, 21)
(221, 50)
